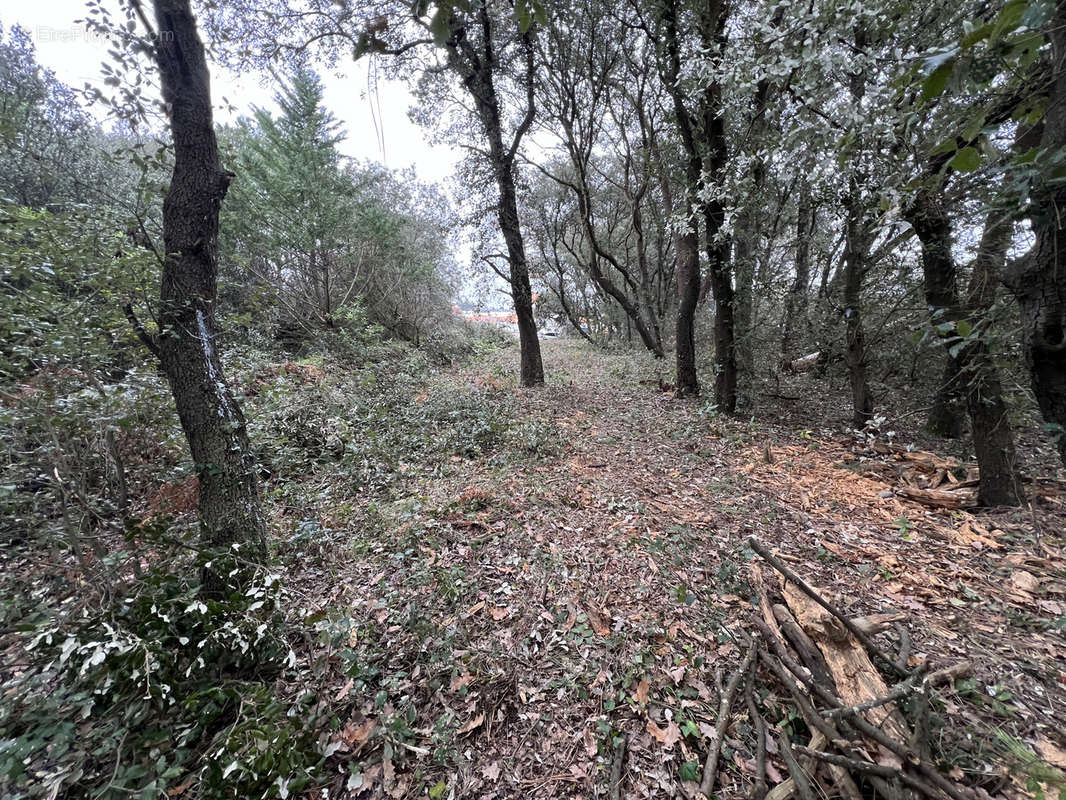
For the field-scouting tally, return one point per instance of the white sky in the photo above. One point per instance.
(368, 118)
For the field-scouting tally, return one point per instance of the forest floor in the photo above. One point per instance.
(508, 620)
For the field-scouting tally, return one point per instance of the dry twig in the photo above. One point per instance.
(853, 629)
(710, 766)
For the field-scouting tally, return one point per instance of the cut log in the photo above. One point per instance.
(804, 364)
(856, 678)
(930, 461)
(939, 498)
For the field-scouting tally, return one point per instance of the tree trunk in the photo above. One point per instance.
(532, 368)
(747, 239)
(744, 240)
(475, 70)
(796, 302)
(933, 229)
(993, 439)
(970, 366)
(229, 503)
(705, 151)
(688, 289)
(855, 252)
(1038, 280)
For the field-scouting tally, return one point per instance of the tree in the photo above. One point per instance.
(1013, 54)
(231, 518)
(489, 47)
(46, 140)
(963, 328)
(474, 42)
(578, 78)
(701, 128)
(1036, 279)
(798, 293)
(293, 204)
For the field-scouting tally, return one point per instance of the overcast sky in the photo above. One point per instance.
(369, 118)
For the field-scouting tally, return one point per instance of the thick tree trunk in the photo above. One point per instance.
(705, 160)
(725, 354)
(475, 69)
(720, 268)
(993, 439)
(796, 302)
(229, 503)
(1038, 280)
(744, 241)
(532, 368)
(856, 250)
(970, 367)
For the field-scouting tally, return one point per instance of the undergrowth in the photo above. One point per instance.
(121, 676)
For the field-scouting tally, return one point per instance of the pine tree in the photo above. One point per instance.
(291, 175)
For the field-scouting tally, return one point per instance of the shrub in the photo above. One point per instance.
(163, 690)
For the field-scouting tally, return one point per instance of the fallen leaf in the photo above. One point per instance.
(492, 771)
(474, 609)
(355, 736)
(668, 736)
(369, 777)
(388, 774)
(599, 623)
(181, 788)
(459, 681)
(641, 694)
(499, 612)
(344, 690)
(1026, 581)
(591, 748)
(474, 723)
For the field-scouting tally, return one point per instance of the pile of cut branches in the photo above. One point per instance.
(865, 713)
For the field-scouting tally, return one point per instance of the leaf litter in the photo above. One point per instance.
(524, 620)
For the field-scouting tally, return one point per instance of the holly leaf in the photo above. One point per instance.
(937, 80)
(966, 160)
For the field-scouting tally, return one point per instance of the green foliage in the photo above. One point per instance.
(330, 242)
(47, 157)
(997, 51)
(161, 688)
(65, 277)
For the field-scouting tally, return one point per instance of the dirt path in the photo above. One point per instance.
(515, 617)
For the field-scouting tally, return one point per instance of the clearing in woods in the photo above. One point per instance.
(560, 622)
